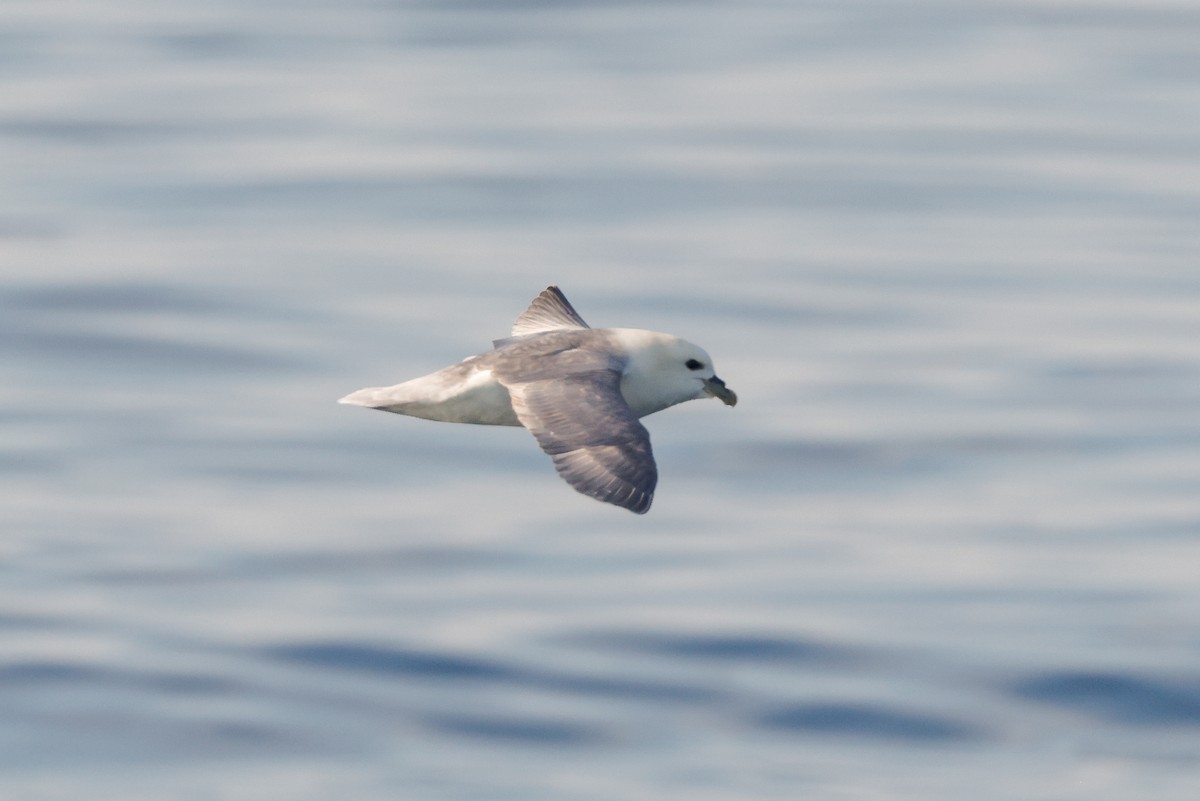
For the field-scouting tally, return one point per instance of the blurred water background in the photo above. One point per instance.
(947, 546)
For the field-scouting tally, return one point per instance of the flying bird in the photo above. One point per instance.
(579, 390)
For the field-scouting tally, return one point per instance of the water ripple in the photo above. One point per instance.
(1117, 697)
(862, 720)
(517, 730)
(440, 666)
(33, 673)
(719, 647)
(391, 661)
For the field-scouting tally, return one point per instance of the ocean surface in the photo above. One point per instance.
(946, 547)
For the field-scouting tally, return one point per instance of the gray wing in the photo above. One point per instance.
(566, 389)
(549, 311)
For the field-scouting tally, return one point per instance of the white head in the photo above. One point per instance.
(664, 370)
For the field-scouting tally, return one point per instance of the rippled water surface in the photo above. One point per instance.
(947, 546)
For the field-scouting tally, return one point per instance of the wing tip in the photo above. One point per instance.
(549, 311)
(632, 499)
(641, 508)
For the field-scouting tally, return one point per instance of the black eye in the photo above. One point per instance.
(692, 364)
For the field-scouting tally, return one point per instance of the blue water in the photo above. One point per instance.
(947, 546)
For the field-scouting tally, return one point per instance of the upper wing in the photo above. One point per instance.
(549, 311)
(567, 392)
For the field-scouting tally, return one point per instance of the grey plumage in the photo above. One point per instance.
(579, 391)
(566, 389)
